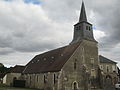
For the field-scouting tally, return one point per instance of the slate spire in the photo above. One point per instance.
(83, 29)
(83, 13)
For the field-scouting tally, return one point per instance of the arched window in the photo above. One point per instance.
(93, 73)
(37, 78)
(30, 78)
(54, 79)
(75, 64)
(82, 56)
(45, 78)
(75, 85)
(107, 68)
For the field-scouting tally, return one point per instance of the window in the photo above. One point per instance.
(83, 50)
(87, 28)
(30, 79)
(54, 78)
(93, 72)
(82, 56)
(83, 59)
(101, 67)
(77, 28)
(107, 68)
(45, 78)
(37, 78)
(75, 63)
(75, 85)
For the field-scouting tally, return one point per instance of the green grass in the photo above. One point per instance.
(5, 87)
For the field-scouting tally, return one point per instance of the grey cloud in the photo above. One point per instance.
(6, 51)
(31, 28)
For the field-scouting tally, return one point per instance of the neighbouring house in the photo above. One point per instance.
(13, 74)
(109, 70)
(118, 74)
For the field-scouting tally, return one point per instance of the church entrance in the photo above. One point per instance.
(108, 80)
(108, 83)
(75, 85)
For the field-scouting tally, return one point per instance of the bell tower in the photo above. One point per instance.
(83, 29)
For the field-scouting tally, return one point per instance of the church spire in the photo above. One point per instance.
(83, 13)
(83, 29)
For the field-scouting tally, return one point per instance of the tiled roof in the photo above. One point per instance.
(51, 61)
(17, 69)
(105, 60)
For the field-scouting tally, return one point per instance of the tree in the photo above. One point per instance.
(3, 69)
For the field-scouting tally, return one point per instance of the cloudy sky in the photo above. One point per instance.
(30, 27)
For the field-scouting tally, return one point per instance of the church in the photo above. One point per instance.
(72, 67)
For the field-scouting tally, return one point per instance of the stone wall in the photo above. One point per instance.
(42, 80)
(79, 72)
(109, 73)
(8, 79)
(86, 58)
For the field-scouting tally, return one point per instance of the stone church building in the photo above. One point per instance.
(73, 67)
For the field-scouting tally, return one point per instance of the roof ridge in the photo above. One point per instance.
(107, 59)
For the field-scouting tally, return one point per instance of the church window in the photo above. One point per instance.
(75, 85)
(83, 59)
(101, 67)
(45, 78)
(37, 78)
(75, 64)
(87, 28)
(30, 79)
(107, 68)
(93, 72)
(54, 80)
(77, 28)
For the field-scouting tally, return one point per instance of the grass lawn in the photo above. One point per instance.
(4, 87)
